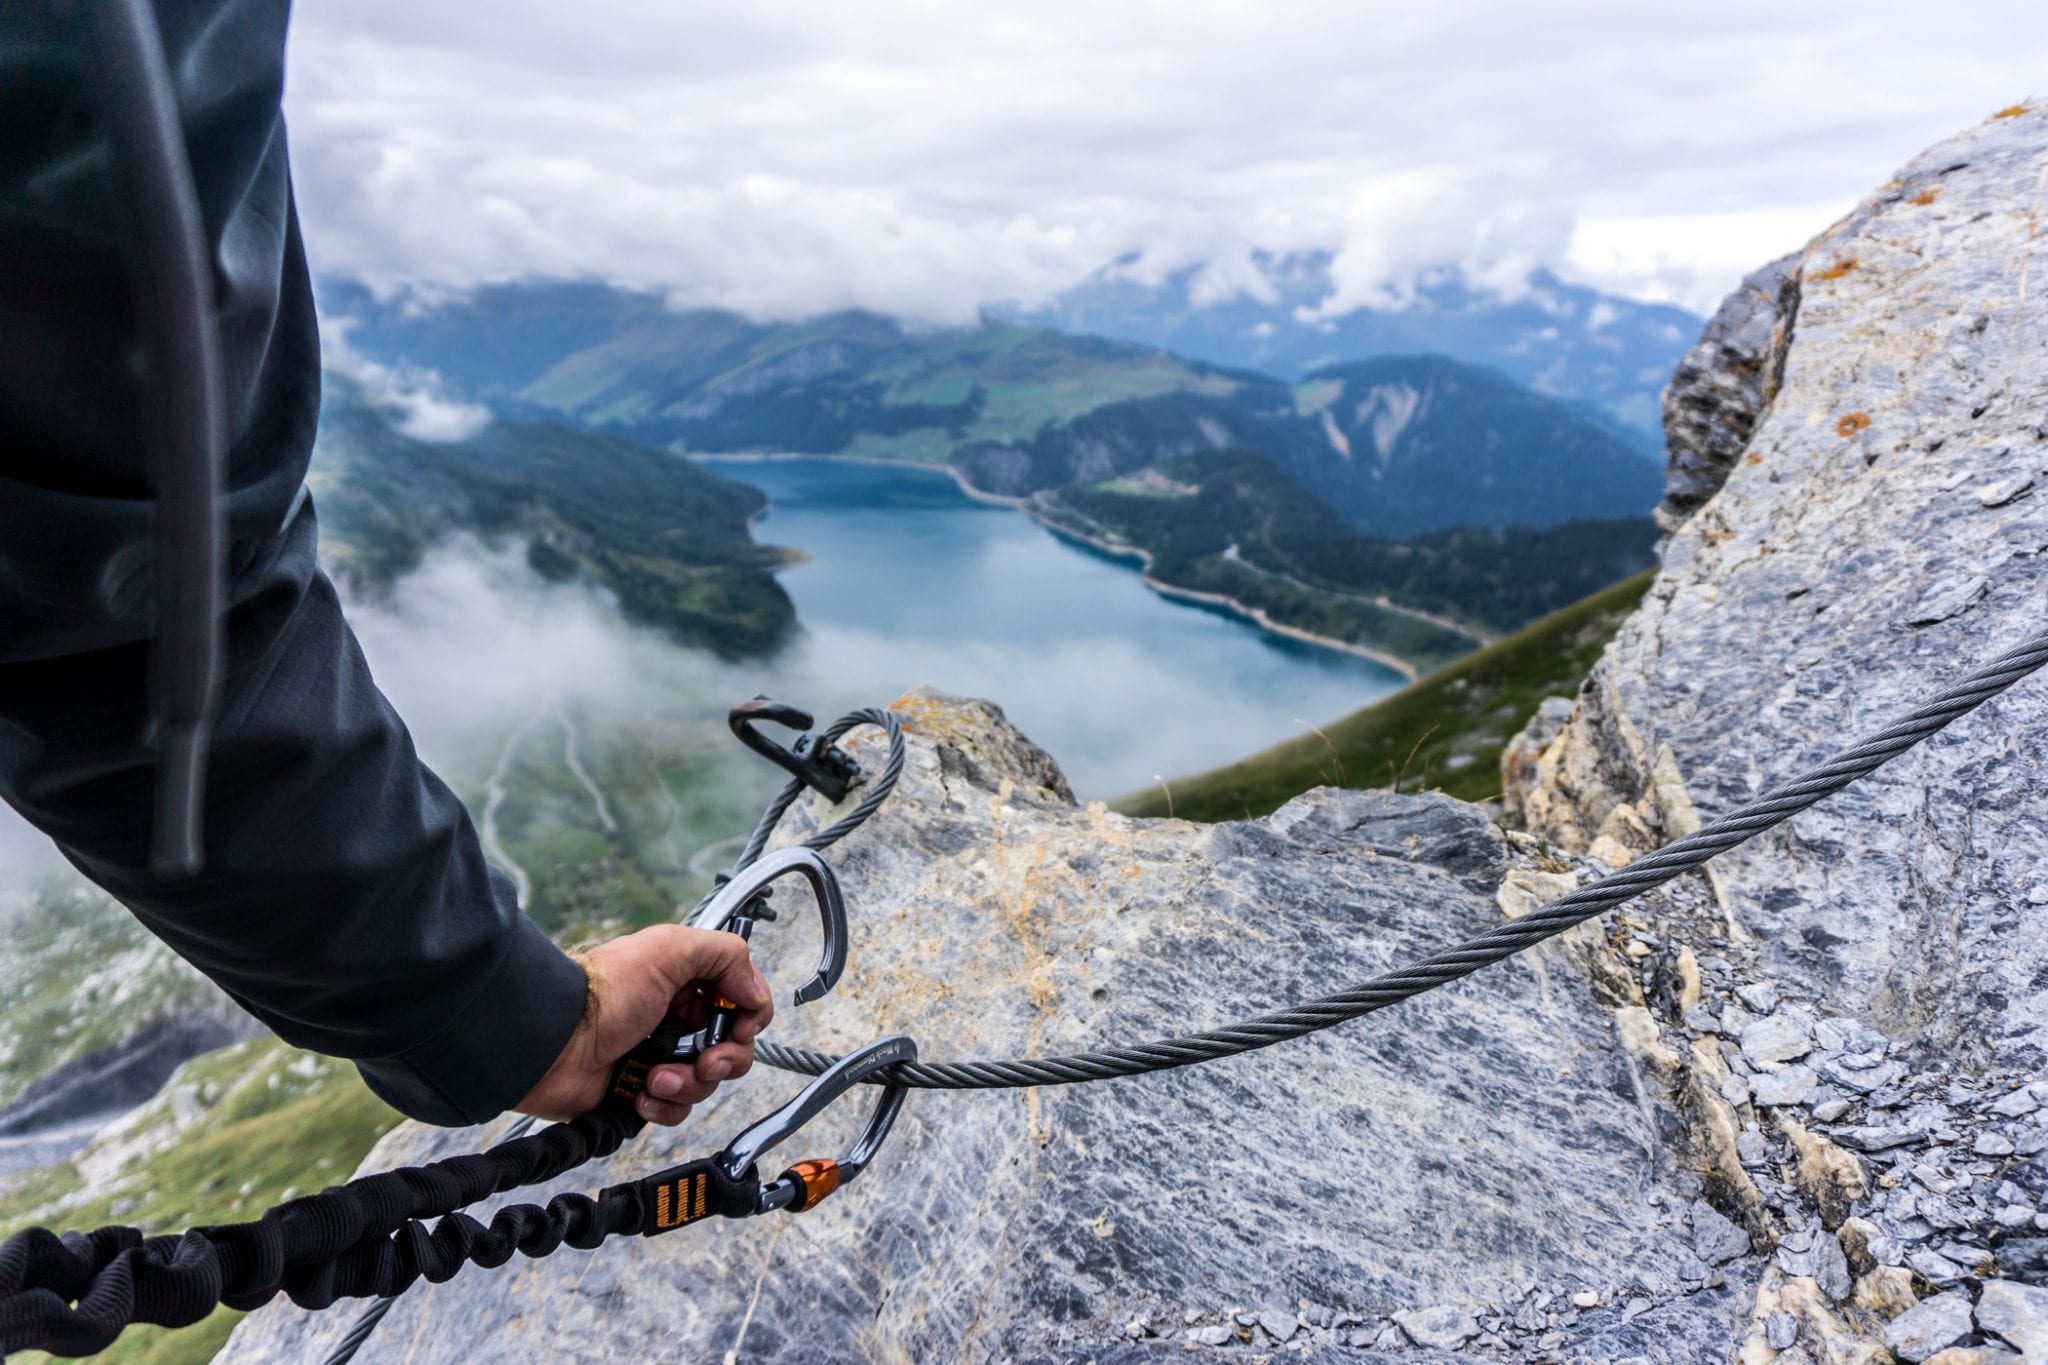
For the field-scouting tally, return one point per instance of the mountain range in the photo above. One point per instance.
(1601, 354)
(1395, 445)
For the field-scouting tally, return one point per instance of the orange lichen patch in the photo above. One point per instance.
(2011, 111)
(1752, 458)
(1835, 271)
(1852, 424)
(1925, 197)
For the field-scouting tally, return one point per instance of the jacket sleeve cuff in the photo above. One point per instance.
(497, 1047)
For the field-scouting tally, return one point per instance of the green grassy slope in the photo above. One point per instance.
(79, 973)
(1443, 733)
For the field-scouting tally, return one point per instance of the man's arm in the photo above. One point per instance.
(345, 900)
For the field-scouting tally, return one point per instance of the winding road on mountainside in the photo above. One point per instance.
(1381, 600)
(494, 800)
(495, 793)
(574, 760)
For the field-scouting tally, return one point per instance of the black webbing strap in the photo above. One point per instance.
(682, 1195)
(360, 1238)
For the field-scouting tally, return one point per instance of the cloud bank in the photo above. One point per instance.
(922, 158)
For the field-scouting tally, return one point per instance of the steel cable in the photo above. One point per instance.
(1496, 944)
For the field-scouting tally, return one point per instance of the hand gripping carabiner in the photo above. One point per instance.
(729, 1184)
(812, 760)
(736, 908)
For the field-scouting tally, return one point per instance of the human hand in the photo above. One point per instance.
(635, 981)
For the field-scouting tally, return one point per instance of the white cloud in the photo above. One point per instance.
(410, 394)
(1690, 259)
(922, 158)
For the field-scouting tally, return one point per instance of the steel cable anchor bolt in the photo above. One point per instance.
(813, 760)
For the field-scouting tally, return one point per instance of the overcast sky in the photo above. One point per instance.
(920, 159)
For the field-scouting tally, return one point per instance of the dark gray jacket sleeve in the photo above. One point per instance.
(345, 900)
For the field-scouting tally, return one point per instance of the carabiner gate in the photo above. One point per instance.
(738, 905)
(806, 1183)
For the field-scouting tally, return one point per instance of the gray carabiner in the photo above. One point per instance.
(736, 908)
(741, 902)
(805, 1183)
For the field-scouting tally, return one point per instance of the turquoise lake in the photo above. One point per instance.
(910, 581)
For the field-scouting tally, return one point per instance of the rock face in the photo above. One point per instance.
(1490, 1151)
(1879, 533)
(1859, 453)
(1724, 385)
(118, 1078)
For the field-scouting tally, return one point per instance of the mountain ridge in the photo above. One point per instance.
(672, 541)
(1571, 342)
(1016, 409)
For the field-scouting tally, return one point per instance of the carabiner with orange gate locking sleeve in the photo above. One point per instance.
(729, 1184)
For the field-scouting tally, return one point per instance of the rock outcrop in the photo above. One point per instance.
(1486, 1166)
(1724, 386)
(1866, 1055)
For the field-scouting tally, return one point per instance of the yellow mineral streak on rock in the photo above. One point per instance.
(1855, 1235)
(1688, 968)
(1639, 1034)
(1849, 1338)
(1887, 1290)
(1830, 1176)
(1525, 889)
(1714, 1129)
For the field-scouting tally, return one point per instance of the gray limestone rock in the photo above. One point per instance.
(1724, 386)
(1816, 1253)
(2018, 1313)
(2018, 1104)
(1444, 1328)
(1930, 1325)
(1776, 1038)
(1448, 1152)
(2025, 1258)
(1787, 1085)
(1279, 1324)
(1782, 624)
(1717, 1239)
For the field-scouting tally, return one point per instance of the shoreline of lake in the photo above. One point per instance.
(1257, 616)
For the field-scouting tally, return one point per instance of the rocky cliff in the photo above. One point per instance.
(1486, 1167)
(1790, 1111)
(1859, 444)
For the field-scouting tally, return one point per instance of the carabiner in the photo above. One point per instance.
(742, 902)
(812, 760)
(806, 1183)
(729, 1184)
(736, 908)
